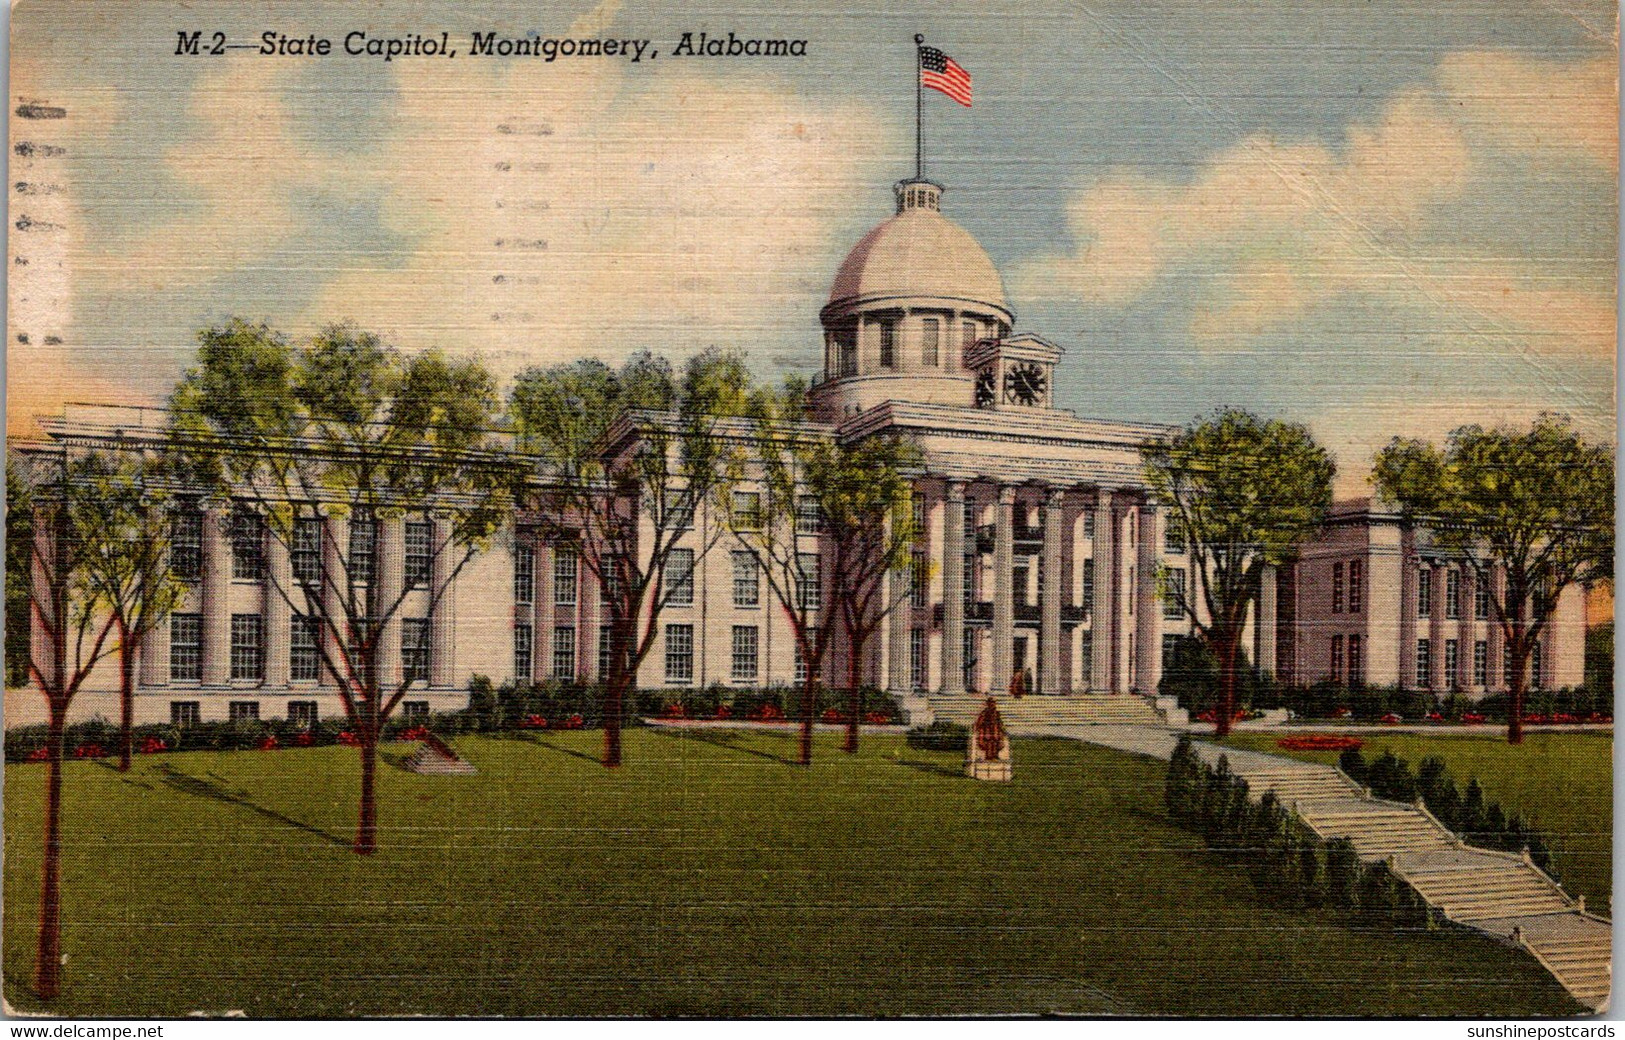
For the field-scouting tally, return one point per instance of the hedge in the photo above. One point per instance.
(1289, 864)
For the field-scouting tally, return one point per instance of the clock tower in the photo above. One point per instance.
(1014, 372)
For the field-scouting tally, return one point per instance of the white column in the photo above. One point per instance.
(1123, 621)
(335, 584)
(1052, 595)
(900, 600)
(443, 621)
(1268, 613)
(1436, 632)
(1148, 628)
(155, 644)
(1102, 635)
(1465, 629)
(278, 615)
(1409, 569)
(391, 578)
(1003, 594)
(216, 590)
(953, 590)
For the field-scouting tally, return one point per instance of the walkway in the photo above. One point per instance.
(1499, 893)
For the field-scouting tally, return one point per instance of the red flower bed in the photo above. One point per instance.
(723, 712)
(532, 722)
(1434, 716)
(1535, 719)
(413, 733)
(269, 743)
(877, 718)
(1391, 719)
(305, 738)
(91, 750)
(1319, 743)
(767, 713)
(833, 715)
(1598, 716)
(1342, 713)
(40, 754)
(573, 722)
(153, 746)
(1471, 718)
(674, 711)
(349, 739)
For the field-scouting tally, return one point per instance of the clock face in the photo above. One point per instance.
(985, 388)
(1024, 384)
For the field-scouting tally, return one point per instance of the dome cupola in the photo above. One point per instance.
(910, 299)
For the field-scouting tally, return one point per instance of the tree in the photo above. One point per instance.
(70, 637)
(631, 456)
(346, 431)
(864, 499)
(1244, 491)
(19, 546)
(1537, 503)
(128, 573)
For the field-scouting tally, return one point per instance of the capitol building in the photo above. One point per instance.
(1041, 552)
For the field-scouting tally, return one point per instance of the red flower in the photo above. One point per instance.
(1390, 719)
(1598, 716)
(269, 743)
(675, 711)
(532, 722)
(767, 713)
(40, 754)
(1206, 716)
(1472, 718)
(723, 712)
(1534, 718)
(305, 738)
(1434, 716)
(413, 733)
(1341, 713)
(833, 715)
(877, 718)
(574, 722)
(1319, 743)
(1564, 716)
(91, 750)
(152, 746)
(349, 739)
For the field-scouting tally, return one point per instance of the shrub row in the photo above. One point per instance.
(1480, 822)
(99, 738)
(770, 703)
(1289, 864)
(940, 735)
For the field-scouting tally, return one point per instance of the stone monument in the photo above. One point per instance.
(988, 754)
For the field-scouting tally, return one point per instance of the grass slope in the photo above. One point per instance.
(707, 877)
(1562, 782)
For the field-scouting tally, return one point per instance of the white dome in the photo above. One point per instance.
(918, 253)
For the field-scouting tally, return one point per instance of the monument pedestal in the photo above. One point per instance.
(987, 757)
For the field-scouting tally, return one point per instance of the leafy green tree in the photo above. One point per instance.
(1244, 491)
(344, 428)
(19, 544)
(71, 637)
(630, 457)
(1537, 503)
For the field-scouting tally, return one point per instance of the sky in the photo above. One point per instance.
(1376, 218)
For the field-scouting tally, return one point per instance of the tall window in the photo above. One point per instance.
(1424, 664)
(243, 711)
(302, 713)
(1534, 666)
(419, 552)
(304, 654)
(564, 578)
(744, 654)
(1337, 588)
(186, 543)
(1356, 585)
(679, 509)
(185, 713)
(967, 335)
(1481, 598)
(888, 344)
(680, 577)
(747, 510)
(247, 647)
(1018, 584)
(811, 584)
(247, 546)
(564, 652)
(918, 586)
(1452, 593)
(523, 636)
(930, 332)
(306, 554)
(186, 647)
(747, 579)
(1506, 664)
(1173, 536)
(1175, 594)
(1356, 661)
(1337, 658)
(1170, 643)
(415, 649)
(363, 544)
(1088, 584)
(916, 658)
(605, 632)
(846, 348)
(1424, 592)
(524, 574)
(679, 653)
(1481, 663)
(1452, 663)
(809, 515)
(970, 657)
(1086, 657)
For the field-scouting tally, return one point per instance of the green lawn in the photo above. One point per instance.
(707, 877)
(1562, 782)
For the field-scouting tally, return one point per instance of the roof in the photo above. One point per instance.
(916, 253)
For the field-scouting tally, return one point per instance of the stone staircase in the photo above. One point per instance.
(434, 757)
(1037, 711)
(1495, 892)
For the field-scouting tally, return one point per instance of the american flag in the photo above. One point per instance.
(940, 72)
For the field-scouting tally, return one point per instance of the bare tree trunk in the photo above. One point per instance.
(614, 698)
(126, 697)
(1227, 686)
(854, 698)
(809, 705)
(48, 954)
(1520, 666)
(366, 833)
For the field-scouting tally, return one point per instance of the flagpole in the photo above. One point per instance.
(919, 135)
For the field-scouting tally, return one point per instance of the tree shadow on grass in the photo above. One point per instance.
(929, 767)
(728, 740)
(216, 790)
(531, 738)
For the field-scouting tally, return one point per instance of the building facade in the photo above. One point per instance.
(1041, 555)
